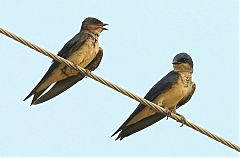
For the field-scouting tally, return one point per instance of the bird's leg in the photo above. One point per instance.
(168, 113)
(182, 119)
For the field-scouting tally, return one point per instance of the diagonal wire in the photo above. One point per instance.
(119, 89)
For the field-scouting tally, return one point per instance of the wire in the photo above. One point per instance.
(119, 89)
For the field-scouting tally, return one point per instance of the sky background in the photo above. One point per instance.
(142, 39)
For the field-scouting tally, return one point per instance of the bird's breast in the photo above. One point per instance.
(170, 97)
(85, 54)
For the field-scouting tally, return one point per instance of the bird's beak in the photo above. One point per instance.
(104, 27)
(176, 62)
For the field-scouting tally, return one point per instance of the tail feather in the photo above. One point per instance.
(37, 94)
(126, 131)
(58, 88)
(33, 92)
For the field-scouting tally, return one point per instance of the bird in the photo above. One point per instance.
(171, 92)
(83, 50)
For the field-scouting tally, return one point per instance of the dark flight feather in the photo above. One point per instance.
(148, 121)
(65, 84)
(71, 46)
(165, 83)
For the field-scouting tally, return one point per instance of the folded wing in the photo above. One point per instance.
(65, 84)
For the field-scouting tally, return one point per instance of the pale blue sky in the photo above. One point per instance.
(142, 39)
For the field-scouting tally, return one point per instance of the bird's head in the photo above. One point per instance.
(183, 62)
(93, 25)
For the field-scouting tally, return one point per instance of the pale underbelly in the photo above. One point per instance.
(171, 98)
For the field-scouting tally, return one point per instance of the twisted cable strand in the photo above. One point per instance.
(119, 89)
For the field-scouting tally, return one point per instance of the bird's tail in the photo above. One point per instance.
(58, 88)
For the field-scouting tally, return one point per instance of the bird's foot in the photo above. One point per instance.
(182, 119)
(168, 113)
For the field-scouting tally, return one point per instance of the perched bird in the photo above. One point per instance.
(83, 50)
(171, 92)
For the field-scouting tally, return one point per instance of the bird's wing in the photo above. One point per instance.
(34, 91)
(65, 84)
(72, 45)
(144, 116)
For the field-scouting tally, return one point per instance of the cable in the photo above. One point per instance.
(119, 89)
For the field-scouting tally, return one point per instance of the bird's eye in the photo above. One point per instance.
(184, 60)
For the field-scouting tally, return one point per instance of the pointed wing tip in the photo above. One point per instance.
(114, 133)
(119, 137)
(32, 104)
(27, 97)
(35, 102)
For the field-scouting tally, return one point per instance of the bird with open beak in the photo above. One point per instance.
(83, 50)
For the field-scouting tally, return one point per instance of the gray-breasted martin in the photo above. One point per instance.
(83, 50)
(171, 92)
